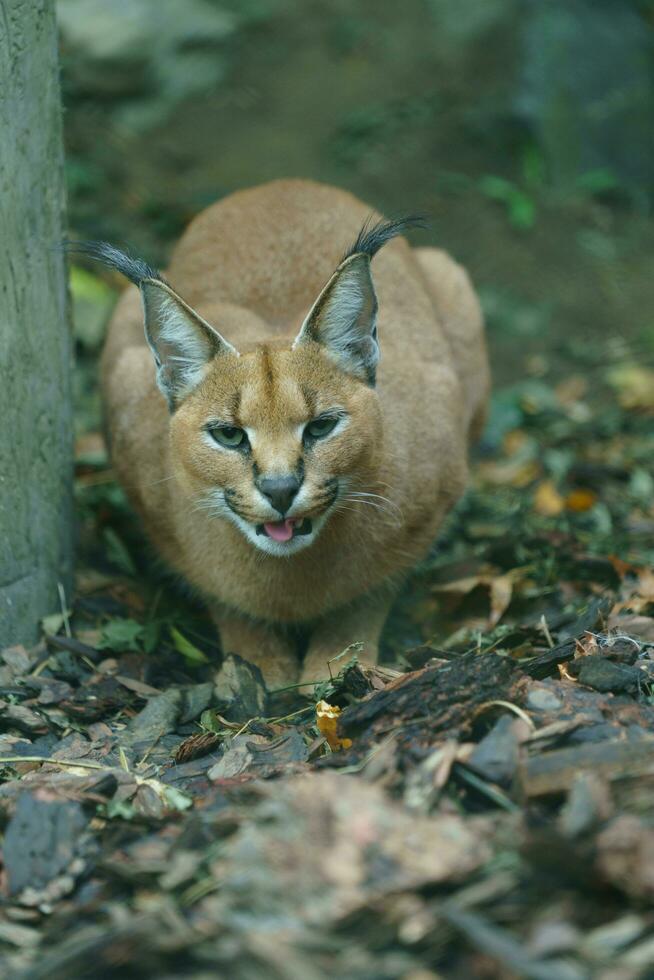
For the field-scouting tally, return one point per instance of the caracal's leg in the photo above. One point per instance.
(360, 623)
(269, 648)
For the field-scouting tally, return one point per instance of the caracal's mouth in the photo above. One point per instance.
(281, 538)
(282, 531)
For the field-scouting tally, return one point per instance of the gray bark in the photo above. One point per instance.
(35, 340)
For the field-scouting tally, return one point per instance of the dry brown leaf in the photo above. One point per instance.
(637, 596)
(500, 590)
(196, 745)
(580, 500)
(586, 646)
(327, 723)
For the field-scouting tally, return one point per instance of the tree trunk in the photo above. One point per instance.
(35, 340)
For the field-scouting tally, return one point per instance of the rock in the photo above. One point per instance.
(541, 699)
(497, 755)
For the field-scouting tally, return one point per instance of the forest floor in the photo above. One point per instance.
(477, 807)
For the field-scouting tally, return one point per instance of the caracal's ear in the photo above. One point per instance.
(344, 317)
(181, 341)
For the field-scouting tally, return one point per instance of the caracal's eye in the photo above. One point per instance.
(229, 436)
(319, 428)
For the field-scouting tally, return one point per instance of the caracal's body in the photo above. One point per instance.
(252, 266)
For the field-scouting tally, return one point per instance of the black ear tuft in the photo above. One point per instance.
(136, 270)
(375, 234)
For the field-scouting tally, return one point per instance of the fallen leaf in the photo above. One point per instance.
(52, 624)
(634, 386)
(327, 723)
(196, 746)
(500, 589)
(501, 592)
(547, 500)
(188, 650)
(580, 500)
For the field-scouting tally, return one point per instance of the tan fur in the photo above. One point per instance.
(252, 265)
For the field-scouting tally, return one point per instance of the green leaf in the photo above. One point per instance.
(151, 635)
(497, 188)
(521, 210)
(117, 553)
(117, 809)
(121, 635)
(52, 624)
(209, 722)
(187, 649)
(175, 798)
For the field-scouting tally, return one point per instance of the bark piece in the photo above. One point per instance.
(428, 702)
(603, 675)
(42, 840)
(554, 772)
(240, 690)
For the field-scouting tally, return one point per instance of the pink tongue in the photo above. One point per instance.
(281, 530)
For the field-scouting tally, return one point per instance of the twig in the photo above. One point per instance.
(79, 763)
(294, 687)
(293, 714)
(546, 630)
(359, 766)
(493, 792)
(64, 610)
(510, 707)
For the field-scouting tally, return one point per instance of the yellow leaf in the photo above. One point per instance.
(547, 499)
(580, 500)
(327, 723)
(634, 386)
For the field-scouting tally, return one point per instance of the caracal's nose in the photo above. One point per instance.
(279, 490)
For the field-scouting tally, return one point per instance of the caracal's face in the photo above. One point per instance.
(276, 441)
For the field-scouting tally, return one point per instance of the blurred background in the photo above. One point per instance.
(523, 128)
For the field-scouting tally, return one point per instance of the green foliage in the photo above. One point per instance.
(121, 635)
(520, 206)
(188, 650)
